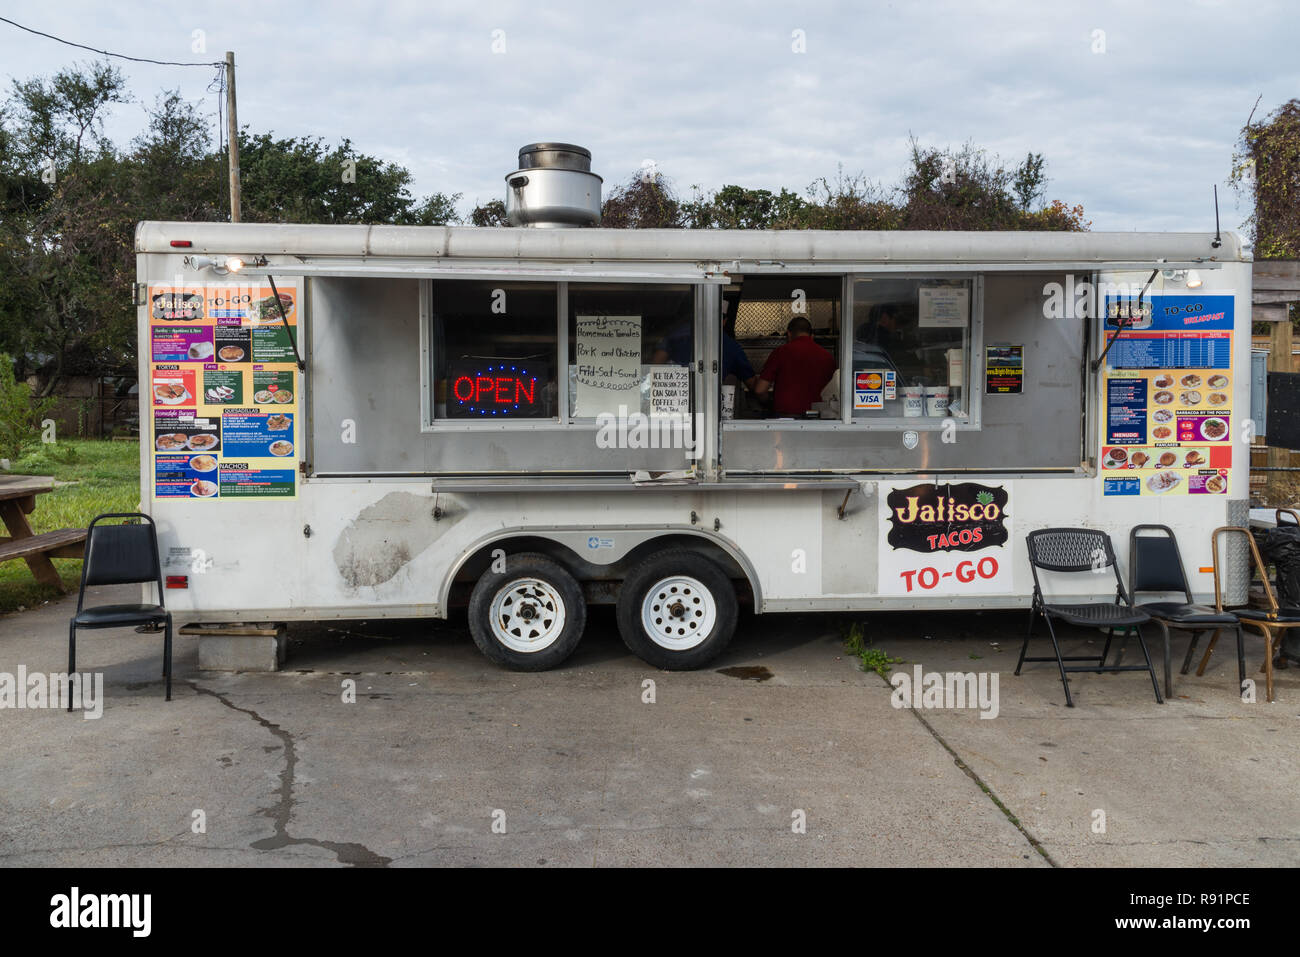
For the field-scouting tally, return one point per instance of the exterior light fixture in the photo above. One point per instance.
(221, 267)
(1194, 280)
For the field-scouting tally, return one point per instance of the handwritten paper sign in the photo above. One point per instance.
(943, 307)
(608, 374)
(670, 389)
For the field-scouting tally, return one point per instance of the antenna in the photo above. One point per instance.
(1218, 238)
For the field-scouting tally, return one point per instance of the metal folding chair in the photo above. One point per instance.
(1082, 550)
(1155, 566)
(121, 555)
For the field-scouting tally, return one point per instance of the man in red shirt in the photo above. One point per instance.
(798, 371)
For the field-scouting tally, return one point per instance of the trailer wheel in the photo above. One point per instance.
(529, 617)
(677, 610)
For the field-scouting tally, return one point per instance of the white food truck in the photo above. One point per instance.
(366, 422)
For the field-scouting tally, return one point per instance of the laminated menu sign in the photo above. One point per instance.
(223, 382)
(1168, 399)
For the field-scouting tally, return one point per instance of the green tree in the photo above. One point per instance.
(643, 202)
(20, 417)
(300, 180)
(65, 222)
(1266, 166)
(491, 213)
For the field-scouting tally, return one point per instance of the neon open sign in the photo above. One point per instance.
(501, 388)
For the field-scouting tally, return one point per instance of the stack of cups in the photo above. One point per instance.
(936, 400)
(913, 401)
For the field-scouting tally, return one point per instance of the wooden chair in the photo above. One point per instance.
(1271, 622)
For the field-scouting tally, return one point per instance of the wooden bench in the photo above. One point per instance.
(17, 501)
(64, 543)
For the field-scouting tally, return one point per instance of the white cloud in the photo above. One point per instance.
(715, 94)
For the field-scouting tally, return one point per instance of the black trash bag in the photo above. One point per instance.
(1281, 547)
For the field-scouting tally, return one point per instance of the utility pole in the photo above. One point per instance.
(232, 136)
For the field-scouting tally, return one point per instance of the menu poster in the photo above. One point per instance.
(1004, 370)
(1168, 398)
(224, 390)
(608, 353)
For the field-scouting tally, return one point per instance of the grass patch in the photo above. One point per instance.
(869, 657)
(105, 477)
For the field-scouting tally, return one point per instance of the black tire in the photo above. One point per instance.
(559, 588)
(686, 607)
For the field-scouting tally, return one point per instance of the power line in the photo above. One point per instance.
(120, 56)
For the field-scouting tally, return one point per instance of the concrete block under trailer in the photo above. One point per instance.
(535, 519)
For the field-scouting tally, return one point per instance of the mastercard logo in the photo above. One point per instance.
(871, 380)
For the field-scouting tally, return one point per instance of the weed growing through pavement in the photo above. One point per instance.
(871, 658)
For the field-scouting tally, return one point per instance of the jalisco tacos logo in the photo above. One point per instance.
(964, 517)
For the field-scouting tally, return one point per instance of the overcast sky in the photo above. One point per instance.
(1136, 106)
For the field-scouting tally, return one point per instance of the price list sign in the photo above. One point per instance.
(1169, 397)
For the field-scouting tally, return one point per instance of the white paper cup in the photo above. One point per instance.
(936, 400)
(913, 401)
(728, 401)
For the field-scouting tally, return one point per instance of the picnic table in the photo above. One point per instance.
(17, 501)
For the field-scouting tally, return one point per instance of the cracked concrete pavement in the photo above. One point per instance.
(579, 770)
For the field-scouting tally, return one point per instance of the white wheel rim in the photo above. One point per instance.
(678, 613)
(527, 615)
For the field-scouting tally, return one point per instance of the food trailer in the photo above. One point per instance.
(372, 421)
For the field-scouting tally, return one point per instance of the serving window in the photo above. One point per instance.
(911, 355)
(765, 373)
(631, 348)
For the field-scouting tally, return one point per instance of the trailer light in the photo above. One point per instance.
(219, 266)
(181, 244)
(178, 581)
(1194, 280)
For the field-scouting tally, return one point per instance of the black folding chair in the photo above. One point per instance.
(1156, 566)
(122, 555)
(1082, 550)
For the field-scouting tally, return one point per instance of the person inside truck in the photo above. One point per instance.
(676, 348)
(796, 373)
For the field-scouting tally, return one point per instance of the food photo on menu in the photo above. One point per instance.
(185, 476)
(181, 430)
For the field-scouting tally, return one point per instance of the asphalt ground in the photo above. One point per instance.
(783, 752)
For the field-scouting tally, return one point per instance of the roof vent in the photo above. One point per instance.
(553, 187)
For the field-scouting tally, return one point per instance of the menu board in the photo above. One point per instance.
(224, 390)
(1168, 393)
(608, 354)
